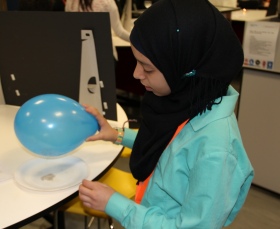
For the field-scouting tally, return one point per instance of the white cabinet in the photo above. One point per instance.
(259, 122)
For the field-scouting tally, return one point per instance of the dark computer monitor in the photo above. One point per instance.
(50, 52)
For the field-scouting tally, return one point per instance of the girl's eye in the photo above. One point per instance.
(148, 71)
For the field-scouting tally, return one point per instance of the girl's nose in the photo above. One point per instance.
(138, 72)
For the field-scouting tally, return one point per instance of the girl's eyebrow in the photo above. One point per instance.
(144, 63)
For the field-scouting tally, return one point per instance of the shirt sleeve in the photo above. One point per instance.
(129, 137)
(116, 22)
(211, 195)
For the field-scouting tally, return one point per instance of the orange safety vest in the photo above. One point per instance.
(141, 187)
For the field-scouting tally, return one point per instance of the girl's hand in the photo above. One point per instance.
(106, 132)
(95, 195)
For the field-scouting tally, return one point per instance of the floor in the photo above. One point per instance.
(261, 209)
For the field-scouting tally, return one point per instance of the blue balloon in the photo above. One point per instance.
(52, 125)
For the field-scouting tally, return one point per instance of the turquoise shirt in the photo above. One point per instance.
(201, 180)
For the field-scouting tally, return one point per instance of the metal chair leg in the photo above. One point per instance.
(85, 222)
(59, 220)
(111, 223)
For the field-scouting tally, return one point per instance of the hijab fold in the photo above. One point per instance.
(194, 47)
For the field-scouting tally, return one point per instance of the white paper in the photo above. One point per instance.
(259, 44)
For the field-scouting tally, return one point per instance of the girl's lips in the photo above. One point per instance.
(147, 87)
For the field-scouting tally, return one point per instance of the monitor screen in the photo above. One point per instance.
(58, 52)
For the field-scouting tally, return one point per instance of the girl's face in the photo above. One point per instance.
(152, 79)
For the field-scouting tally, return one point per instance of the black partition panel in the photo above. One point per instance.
(40, 53)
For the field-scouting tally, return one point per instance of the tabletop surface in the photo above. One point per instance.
(18, 203)
(250, 15)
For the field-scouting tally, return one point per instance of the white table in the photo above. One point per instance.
(249, 15)
(20, 206)
(118, 42)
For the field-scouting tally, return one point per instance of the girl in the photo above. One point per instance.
(188, 155)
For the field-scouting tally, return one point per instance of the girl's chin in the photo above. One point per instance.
(149, 89)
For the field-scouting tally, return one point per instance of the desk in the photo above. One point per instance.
(20, 206)
(118, 42)
(240, 17)
(226, 11)
(249, 15)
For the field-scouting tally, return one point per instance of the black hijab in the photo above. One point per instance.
(196, 50)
